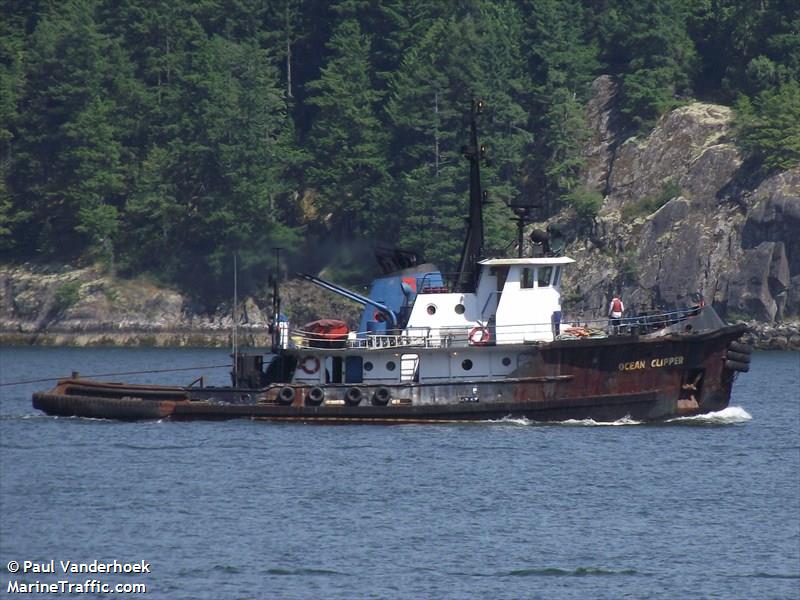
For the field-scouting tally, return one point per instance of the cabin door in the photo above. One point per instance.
(333, 369)
(353, 369)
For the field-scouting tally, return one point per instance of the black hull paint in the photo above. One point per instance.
(637, 406)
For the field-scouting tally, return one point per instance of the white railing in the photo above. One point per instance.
(459, 337)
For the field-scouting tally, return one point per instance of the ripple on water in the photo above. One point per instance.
(578, 572)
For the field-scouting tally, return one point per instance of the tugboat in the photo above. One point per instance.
(485, 344)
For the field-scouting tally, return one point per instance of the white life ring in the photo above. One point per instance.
(310, 365)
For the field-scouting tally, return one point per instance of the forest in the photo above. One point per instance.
(163, 137)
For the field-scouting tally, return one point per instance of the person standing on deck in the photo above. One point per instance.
(615, 310)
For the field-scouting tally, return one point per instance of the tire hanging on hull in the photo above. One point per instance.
(315, 396)
(735, 365)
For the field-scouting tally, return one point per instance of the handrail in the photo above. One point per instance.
(426, 287)
(458, 336)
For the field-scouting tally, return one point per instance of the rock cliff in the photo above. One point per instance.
(680, 214)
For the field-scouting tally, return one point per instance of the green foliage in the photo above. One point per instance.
(650, 204)
(462, 56)
(745, 47)
(67, 295)
(563, 63)
(585, 202)
(647, 43)
(769, 127)
(167, 136)
(347, 166)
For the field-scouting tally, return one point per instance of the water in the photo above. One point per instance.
(697, 508)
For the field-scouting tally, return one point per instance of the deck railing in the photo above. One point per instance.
(459, 337)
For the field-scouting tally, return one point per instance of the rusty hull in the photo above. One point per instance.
(605, 380)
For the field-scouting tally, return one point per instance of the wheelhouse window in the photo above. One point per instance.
(543, 276)
(526, 278)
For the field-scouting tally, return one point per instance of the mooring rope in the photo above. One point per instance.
(228, 366)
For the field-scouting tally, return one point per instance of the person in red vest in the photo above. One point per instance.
(615, 310)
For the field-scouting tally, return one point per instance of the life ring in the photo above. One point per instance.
(310, 365)
(479, 336)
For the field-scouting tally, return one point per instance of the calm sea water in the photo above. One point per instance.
(705, 508)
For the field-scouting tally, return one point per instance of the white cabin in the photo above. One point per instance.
(515, 303)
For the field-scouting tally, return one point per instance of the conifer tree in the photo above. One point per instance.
(469, 55)
(12, 36)
(647, 44)
(210, 190)
(562, 62)
(347, 141)
(769, 127)
(68, 156)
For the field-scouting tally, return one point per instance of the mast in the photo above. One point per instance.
(472, 251)
(276, 303)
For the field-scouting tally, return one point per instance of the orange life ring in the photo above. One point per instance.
(479, 336)
(310, 365)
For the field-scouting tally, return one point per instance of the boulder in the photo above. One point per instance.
(758, 287)
(681, 150)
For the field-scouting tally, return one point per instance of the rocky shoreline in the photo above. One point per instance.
(62, 306)
(59, 305)
(774, 336)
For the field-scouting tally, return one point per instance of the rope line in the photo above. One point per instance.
(115, 374)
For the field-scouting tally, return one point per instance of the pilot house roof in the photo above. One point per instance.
(552, 260)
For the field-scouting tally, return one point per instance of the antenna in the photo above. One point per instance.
(522, 210)
(472, 250)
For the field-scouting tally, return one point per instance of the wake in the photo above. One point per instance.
(727, 416)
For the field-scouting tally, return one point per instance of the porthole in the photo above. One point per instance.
(390, 366)
(506, 361)
(431, 309)
(459, 309)
(368, 366)
(466, 364)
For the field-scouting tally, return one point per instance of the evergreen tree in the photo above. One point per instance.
(347, 140)
(430, 96)
(562, 62)
(647, 44)
(460, 58)
(68, 153)
(744, 46)
(12, 37)
(163, 135)
(769, 127)
(210, 191)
